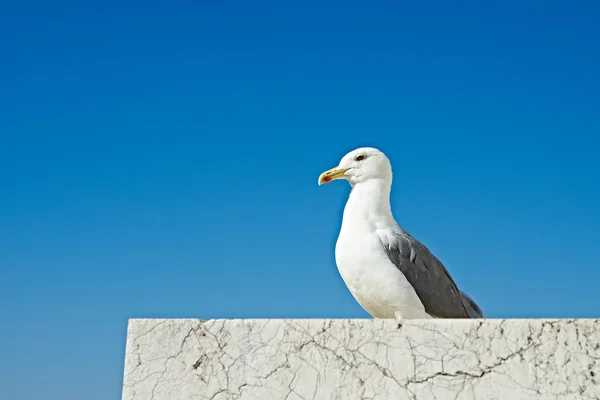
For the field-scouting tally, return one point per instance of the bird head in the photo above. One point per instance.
(358, 166)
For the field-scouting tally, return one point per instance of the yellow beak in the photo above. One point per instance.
(332, 174)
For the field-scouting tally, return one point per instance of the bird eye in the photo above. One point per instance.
(359, 158)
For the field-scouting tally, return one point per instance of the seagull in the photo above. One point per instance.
(389, 273)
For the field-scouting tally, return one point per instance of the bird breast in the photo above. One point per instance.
(374, 281)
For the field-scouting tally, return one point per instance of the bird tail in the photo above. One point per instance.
(473, 309)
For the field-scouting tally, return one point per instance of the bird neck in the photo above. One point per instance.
(371, 200)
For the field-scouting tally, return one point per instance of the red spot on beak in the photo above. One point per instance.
(326, 179)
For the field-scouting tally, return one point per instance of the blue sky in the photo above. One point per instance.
(161, 160)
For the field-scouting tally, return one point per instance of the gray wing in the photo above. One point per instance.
(432, 282)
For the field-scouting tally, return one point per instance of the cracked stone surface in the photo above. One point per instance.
(362, 359)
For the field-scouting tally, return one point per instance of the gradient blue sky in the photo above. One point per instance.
(161, 160)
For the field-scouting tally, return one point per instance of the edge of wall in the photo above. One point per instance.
(362, 359)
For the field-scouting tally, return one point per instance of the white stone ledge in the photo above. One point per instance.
(304, 359)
